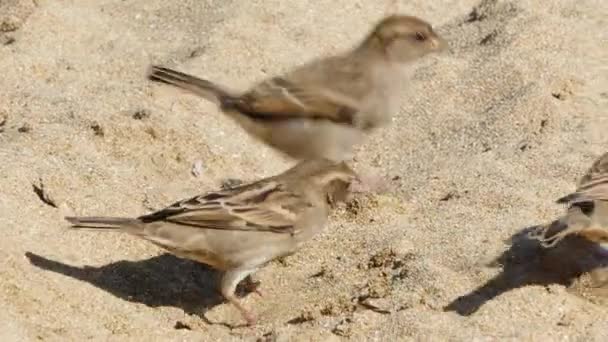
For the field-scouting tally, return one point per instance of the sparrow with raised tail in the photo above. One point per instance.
(324, 108)
(240, 229)
(587, 214)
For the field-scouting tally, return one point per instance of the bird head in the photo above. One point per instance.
(403, 39)
(338, 183)
(334, 179)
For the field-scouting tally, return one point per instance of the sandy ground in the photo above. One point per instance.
(487, 138)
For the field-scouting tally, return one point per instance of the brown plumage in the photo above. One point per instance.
(324, 108)
(240, 229)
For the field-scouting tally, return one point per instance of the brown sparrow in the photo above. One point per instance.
(240, 229)
(323, 109)
(587, 214)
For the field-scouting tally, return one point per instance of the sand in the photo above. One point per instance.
(488, 136)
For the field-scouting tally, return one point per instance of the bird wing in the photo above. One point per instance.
(260, 207)
(593, 185)
(598, 170)
(330, 89)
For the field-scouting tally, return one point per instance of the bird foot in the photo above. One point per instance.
(248, 315)
(250, 318)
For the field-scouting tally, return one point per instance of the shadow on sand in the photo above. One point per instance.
(527, 263)
(164, 280)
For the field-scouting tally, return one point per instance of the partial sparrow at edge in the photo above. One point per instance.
(587, 214)
(240, 229)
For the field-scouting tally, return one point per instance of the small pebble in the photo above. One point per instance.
(97, 129)
(197, 168)
(6, 39)
(141, 114)
(3, 119)
(25, 128)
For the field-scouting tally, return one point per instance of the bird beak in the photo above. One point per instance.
(439, 44)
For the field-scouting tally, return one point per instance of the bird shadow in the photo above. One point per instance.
(163, 280)
(527, 263)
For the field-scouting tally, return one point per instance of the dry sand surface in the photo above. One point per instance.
(488, 136)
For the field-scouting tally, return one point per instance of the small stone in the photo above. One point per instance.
(181, 326)
(14, 13)
(268, 337)
(379, 305)
(304, 317)
(151, 132)
(199, 51)
(6, 39)
(566, 89)
(524, 146)
(97, 129)
(141, 114)
(3, 120)
(197, 168)
(25, 128)
(231, 183)
(42, 194)
(450, 195)
(343, 328)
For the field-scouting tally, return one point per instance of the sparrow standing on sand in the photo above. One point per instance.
(324, 108)
(240, 229)
(587, 214)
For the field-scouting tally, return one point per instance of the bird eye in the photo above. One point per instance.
(420, 37)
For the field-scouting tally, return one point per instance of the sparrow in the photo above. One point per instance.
(324, 108)
(587, 213)
(238, 230)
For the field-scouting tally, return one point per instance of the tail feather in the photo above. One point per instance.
(198, 86)
(103, 223)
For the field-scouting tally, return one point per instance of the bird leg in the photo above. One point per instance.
(229, 282)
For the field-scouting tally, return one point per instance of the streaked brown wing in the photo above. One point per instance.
(598, 170)
(278, 99)
(267, 207)
(593, 185)
(328, 89)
